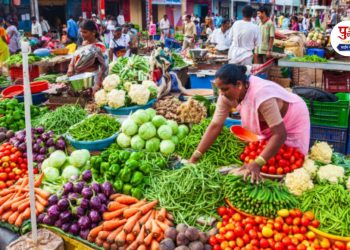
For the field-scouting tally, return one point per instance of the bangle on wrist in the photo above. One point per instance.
(260, 161)
(197, 154)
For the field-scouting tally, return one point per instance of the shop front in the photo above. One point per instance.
(106, 8)
(59, 7)
(171, 8)
(200, 8)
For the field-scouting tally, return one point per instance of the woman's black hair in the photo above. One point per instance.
(231, 73)
(90, 26)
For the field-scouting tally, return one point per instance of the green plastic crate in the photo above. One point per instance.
(332, 114)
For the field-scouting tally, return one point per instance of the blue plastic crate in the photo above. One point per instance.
(201, 82)
(337, 137)
(315, 51)
(262, 76)
(232, 122)
(37, 98)
(98, 145)
(128, 110)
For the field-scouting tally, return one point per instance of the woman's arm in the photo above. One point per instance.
(70, 71)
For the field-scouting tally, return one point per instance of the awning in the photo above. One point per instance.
(52, 2)
(166, 2)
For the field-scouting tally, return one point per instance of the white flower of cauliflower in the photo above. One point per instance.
(139, 94)
(322, 152)
(310, 167)
(111, 82)
(116, 98)
(149, 83)
(331, 173)
(127, 85)
(101, 97)
(298, 181)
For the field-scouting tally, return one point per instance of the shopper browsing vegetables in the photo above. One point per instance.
(266, 109)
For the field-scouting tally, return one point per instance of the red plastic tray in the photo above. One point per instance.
(14, 90)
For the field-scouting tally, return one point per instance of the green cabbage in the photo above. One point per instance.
(137, 143)
(152, 145)
(174, 126)
(182, 131)
(78, 158)
(165, 132)
(175, 139)
(45, 164)
(151, 112)
(167, 147)
(70, 171)
(57, 159)
(158, 121)
(123, 140)
(147, 131)
(129, 127)
(51, 173)
(140, 117)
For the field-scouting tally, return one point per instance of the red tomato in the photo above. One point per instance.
(277, 226)
(219, 238)
(35, 171)
(289, 220)
(296, 230)
(242, 157)
(339, 245)
(252, 234)
(299, 163)
(286, 170)
(246, 238)
(272, 161)
(2, 185)
(264, 169)
(7, 170)
(285, 229)
(286, 241)
(222, 211)
(303, 230)
(279, 246)
(264, 243)
(309, 215)
(305, 222)
(238, 231)
(7, 153)
(2, 169)
(248, 227)
(14, 158)
(292, 159)
(280, 171)
(217, 247)
(230, 235)
(3, 176)
(252, 155)
(315, 223)
(23, 166)
(11, 176)
(239, 242)
(298, 213)
(272, 170)
(296, 221)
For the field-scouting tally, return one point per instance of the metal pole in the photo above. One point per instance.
(34, 8)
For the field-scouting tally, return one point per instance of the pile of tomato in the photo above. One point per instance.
(285, 161)
(288, 231)
(12, 165)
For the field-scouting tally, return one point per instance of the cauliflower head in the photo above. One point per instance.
(298, 181)
(149, 83)
(322, 152)
(331, 173)
(139, 94)
(127, 85)
(111, 82)
(310, 167)
(116, 98)
(101, 97)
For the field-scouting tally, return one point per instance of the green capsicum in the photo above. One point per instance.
(137, 193)
(137, 178)
(127, 189)
(132, 164)
(124, 155)
(113, 157)
(125, 174)
(136, 156)
(104, 167)
(109, 176)
(114, 169)
(104, 155)
(118, 185)
(146, 167)
(95, 162)
(161, 163)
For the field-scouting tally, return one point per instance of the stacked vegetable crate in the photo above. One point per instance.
(329, 122)
(336, 81)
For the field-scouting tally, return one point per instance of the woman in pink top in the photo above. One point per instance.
(294, 23)
(266, 109)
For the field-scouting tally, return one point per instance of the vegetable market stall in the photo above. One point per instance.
(56, 64)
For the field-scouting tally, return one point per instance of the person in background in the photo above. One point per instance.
(280, 20)
(294, 23)
(213, 19)
(121, 19)
(317, 20)
(164, 26)
(72, 29)
(245, 37)
(285, 22)
(267, 30)
(221, 37)
(208, 31)
(305, 23)
(90, 37)
(334, 18)
(44, 25)
(218, 21)
(133, 34)
(13, 36)
(346, 16)
(125, 35)
(118, 46)
(80, 20)
(36, 28)
(4, 49)
(189, 33)
(110, 28)
(198, 19)
(198, 29)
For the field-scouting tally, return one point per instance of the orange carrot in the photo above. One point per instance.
(7, 204)
(148, 239)
(26, 213)
(161, 214)
(126, 199)
(103, 235)
(120, 239)
(113, 206)
(136, 229)
(149, 206)
(39, 207)
(95, 231)
(12, 219)
(133, 246)
(38, 181)
(112, 235)
(16, 205)
(113, 224)
(154, 245)
(90, 238)
(161, 237)
(106, 245)
(7, 191)
(99, 242)
(139, 204)
(5, 198)
(19, 221)
(130, 238)
(169, 222)
(170, 216)
(141, 237)
(112, 215)
(162, 225)
(156, 231)
(41, 200)
(142, 247)
(115, 196)
(44, 194)
(130, 212)
(131, 222)
(145, 218)
(148, 225)
(6, 215)
(23, 206)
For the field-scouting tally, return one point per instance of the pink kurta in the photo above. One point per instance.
(296, 120)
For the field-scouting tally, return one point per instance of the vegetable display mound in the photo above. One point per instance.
(17, 60)
(312, 58)
(225, 150)
(190, 193)
(134, 68)
(61, 119)
(95, 127)
(331, 205)
(179, 62)
(263, 199)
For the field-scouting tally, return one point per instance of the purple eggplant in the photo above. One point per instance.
(53, 199)
(63, 205)
(87, 192)
(50, 142)
(95, 187)
(78, 187)
(48, 220)
(80, 211)
(58, 223)
(65, 227)
(36, 148)
(42, 151)
(41, 217)
(74, 229)
(93, 225)
(95, 203)
(94, 216)
(85, 203)
(22, 146)
(84, 233)
(40, 130)
(25, 155)
(40, 158)
(65, 216)
(53, 211)
(68, 187)
(103, 208)
(44, 136)
(21, 136)
(60, 144)
(102, 197)
(73, 197)
(107, 188)
(87, 175)
(84, 222)
(51, 133)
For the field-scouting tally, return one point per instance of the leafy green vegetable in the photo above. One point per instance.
(307, 58)
(16, 59)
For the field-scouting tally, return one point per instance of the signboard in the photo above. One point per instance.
(169, 2)
(340, 38)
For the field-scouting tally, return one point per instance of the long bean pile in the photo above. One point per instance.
(331, 206)
(60, 120)
(188, 193)
(225, 150)
(95, 127)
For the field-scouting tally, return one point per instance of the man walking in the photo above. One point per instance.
(189, 32)
(36, 28)
(267, 30)
(164, 26)
(72, 29)
(45, 27)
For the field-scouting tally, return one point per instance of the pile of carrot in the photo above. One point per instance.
(131, 224)
(14, 201)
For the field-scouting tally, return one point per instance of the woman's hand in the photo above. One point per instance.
(253, 170)
(69, 73)
(193, 160)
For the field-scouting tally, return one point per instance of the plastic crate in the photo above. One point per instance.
(98, 145)
(128, 110)
(336, 81)
(337, 137)
(197, 82)
(16, 73)
(37, 98)
(314, 51)
(333, 114)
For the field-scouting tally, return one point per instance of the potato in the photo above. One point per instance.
(196, 245)
(171, 233)
(167, 244)
(181, 239)
(181, 228)
(182, 248)
(203, 237)
(192, 233)
(208, 247)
